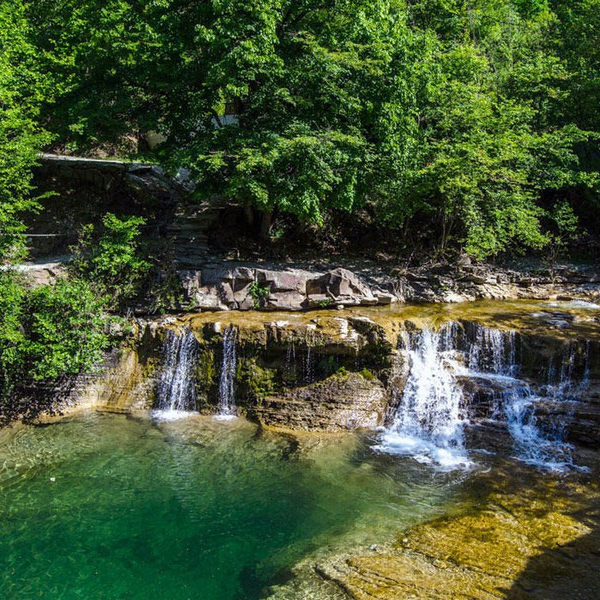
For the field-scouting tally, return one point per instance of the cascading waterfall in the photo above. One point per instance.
(226, 405)
(429, 420)
(431, 412)
(175, 389)
(496, 362)
(493, 351)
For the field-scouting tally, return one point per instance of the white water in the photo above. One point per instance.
(492, 358)
(226, 405)
(431, 414)
(176, 391)
(429, 420)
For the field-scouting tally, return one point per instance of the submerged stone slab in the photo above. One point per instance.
(529, 543)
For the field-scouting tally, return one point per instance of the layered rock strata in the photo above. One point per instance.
(341, 370)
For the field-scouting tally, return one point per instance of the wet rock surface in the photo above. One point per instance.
(339, 403)
(525, 536)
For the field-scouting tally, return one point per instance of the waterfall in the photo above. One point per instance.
(492, 358)
(429, 420)
(226, 406)
(175, 389)
(431, 412)
(290, 361)
(493, 351)
(308, 367)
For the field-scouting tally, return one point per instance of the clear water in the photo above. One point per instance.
(109, 506)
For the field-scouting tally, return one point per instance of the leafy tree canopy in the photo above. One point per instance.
(460, 114)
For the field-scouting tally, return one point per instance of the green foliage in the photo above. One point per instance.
(566, 229)
(66, 329)
(259, 294)
(12, 334)
(449, 117)
(22, 89)
(368, 375)
(49, 332)
(255, 381)
(111, 259)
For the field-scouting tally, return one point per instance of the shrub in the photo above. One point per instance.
(66, 329)
(111, 260)
(50, 332)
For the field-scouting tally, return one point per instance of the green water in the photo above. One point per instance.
(106, 506)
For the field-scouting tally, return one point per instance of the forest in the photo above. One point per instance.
(464, 125)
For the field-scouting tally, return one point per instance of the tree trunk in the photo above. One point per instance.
(249, 214)
(266, 220)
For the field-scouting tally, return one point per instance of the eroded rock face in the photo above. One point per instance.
(339, 403)
(125, 385)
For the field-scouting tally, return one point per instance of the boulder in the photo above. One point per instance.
(286, 300)
(284, 280)
(339, 282)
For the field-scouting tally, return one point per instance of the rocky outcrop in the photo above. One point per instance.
(230, 286)
(477, 556)
(343, 402)
(125, 385)
(245, 288)
(82, 190)
(142, 178)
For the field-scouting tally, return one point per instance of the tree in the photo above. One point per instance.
(458, 114)
(22, 90)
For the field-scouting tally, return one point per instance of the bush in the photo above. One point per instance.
(50, 332)
(111, 260)
(66, 329)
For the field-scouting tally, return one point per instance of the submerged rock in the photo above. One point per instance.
(530, 542)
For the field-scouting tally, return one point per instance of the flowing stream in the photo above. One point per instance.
(155, 506)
